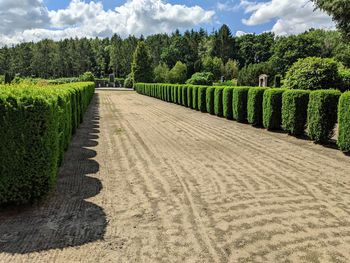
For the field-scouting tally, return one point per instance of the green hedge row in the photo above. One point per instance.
(274, 109)
(36, 125)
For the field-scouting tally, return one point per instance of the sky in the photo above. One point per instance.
(34, 20)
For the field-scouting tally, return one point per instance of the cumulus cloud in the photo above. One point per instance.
(291, 16)
(227, 6)
(81, 19)
(20, 15)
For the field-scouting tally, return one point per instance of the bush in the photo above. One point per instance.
(210, 100)
(36, 125)
(195, 97)
(312, 73)
(178, 73)
(202, 106)
(255, 106)
(294, 111)
(239, 103)
(322, 114)
(190, 97)
(272, 108)
(87, 76)
(344, 75)
(218, 107)
(344, 122)
(128, 83)
(201, 78)
(179, 95)
(227, 103)
(184, 96)
(176, 94)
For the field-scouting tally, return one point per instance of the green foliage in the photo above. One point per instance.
(178, 74)
(202, 103)
(255, 106)
(322, 114)
(344, 122)
(161, 73)
(195, 98)
(312, 73)
(201, 78)
(232, 83)
(339, 10)
(278, 81)
(142, 64)
(239, 103)
(249, 75)
(227, 103)
(210, 100)
(190, 96)
(179, 94)
(231, 69)
(272, 108)
(128, 83)
(213, 65)
(294, 111)
(184, 96)
(87, 76)
(218, 106)
(36, 124)
(344, 75)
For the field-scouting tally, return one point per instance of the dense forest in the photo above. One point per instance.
(199, 50)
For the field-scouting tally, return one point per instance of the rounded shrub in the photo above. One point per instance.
(184, 96)
(255, 106)
(344, 122)
(218, 106)
(313, 73)
(272, 108)
(210, 100)
(195, 97)
(201, 78)
(179, 94)
(294, 111)
(189, 96)
(202, 92)
(227, 102)
(322, 114)
(239, 103)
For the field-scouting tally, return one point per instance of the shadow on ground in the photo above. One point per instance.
(65, 219)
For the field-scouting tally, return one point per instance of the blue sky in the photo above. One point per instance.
(34, 20)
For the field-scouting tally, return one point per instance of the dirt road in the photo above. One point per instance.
(149, 181)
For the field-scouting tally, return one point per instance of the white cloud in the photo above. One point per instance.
(20, 15)
(227, 6)
(291, 16)
(241, 33)
(81, 19)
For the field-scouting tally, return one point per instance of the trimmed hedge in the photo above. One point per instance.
(276, 108)
(255, 106)
(189, 97)
(294, 111)
(195, 98)
(239, 103)
(184, 96)
(344, 122)
(210, 100)
(202, 92)
(227, 103)
(272, 108)
(322, 114)
(218, 107)
(36, 125)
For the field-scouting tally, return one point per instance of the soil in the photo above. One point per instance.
(149, 181)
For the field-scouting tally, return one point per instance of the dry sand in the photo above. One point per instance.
(150, 181)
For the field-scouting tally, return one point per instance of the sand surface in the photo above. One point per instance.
(149, 181)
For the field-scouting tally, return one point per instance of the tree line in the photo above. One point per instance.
(198, 50)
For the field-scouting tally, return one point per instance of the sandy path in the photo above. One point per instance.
(149, 181)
